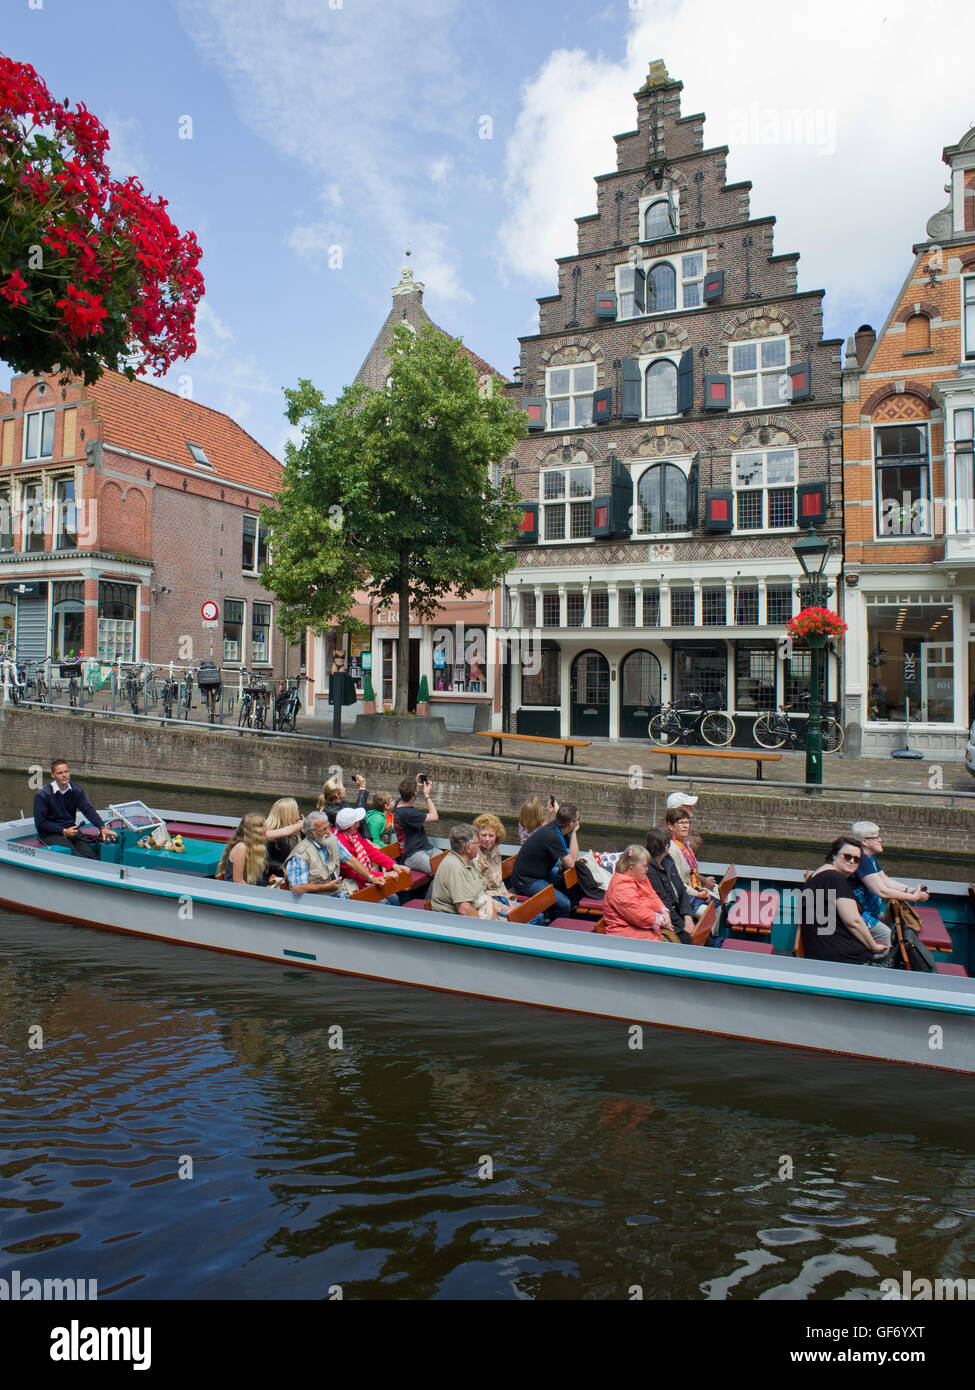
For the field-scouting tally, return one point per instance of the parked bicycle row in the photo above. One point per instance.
(174, 691)
(703, 720)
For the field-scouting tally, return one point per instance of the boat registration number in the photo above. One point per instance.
(22, 849)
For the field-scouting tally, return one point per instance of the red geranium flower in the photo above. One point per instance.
(14, 288)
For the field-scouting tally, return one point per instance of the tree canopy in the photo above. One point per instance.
(390, 493)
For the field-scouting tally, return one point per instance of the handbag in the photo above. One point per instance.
(914, 955)
(599, 875)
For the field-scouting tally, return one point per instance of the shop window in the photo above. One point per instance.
(746, 605)
(600, 608)
(567, 503)
(543, 687)
(627, 608)
(68, 619)
(911, 657)
(758, 378)
(460, 669)
(569, 391)
(681, 606)
(254, 551)
(261, 634)
(779, 601)
(964, 512)
(755, 678)
(233, 630)
(765, 489)
(39, 435)
(116, 621)
(65, 515)
(651, 608)
(714, 609)
(32, 510)
(699, 671)
(662, 499)
(902, 480)
(575, 605)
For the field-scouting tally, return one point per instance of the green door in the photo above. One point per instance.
(639, 686)
(589, 696)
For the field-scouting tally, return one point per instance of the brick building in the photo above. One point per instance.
(909, 404)
(683, 409)
(459, 676)
(124, 508)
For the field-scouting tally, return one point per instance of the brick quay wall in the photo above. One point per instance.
(150, 755)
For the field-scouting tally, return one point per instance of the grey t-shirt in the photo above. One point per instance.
(455, 882)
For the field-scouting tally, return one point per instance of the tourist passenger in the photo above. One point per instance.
(56, 810)
(245, 858)
(332, 799)
(457, 885)
(829, 915)
(379, 819)
(681, 801)
(411, 823)
(631, 907)
(380, 866)
(314, 865)
(549, 849)
(666, 882)
(701, 889)
(283, 831)
(872, 887)
(532, 816)
(489, 859)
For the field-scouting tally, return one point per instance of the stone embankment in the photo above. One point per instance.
(151, 755)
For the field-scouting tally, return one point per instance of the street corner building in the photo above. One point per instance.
(126, 507)
(684, 426)
(909, 490)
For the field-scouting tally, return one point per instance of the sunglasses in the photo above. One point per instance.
(853, 858)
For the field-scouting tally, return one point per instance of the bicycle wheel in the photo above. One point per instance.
(832, 734)
(665, 730)
(767, 733)
(717, 729)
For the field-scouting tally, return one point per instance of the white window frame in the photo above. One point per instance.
(255, 604)
(962, 501)
(27, 531)
(58, 518)
(39, 416)
(903, 537)
(968, 314)
(763, 486)
(571, 395)
(645, 364)
(758, 372)
(637, 470)
(234, 660)
(676, 263)
(563, 504)
(644, 205)
(257, 543)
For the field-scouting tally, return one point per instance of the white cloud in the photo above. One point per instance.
(852, 194)
(357, 99)
(440, 169)
(126, 146)
(219, 376)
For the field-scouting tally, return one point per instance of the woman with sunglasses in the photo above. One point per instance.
(829, 914)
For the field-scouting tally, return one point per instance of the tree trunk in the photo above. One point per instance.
(403, 638)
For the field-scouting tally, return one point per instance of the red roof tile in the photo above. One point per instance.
(150, 420)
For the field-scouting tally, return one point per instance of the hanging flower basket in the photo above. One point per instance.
(816, 622)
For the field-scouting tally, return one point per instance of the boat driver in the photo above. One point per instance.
(56, 810)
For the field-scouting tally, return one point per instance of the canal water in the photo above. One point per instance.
(189, 1125)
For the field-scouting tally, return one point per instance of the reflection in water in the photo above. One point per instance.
(449, 1148)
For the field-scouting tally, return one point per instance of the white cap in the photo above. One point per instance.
(680, 799)
(349, 816)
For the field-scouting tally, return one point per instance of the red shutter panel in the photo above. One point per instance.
(600, 517)
(605, 304)
(811, 504)
(534, 407)
(528, 525)
(717, 392)
(602, 406)
(718, 509)
(713, 286)
(801, 375)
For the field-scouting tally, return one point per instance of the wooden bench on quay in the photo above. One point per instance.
(569, 744)
(751, 755)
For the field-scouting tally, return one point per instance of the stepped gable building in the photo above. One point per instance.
(124, 508)
(909, 481)
(683, 410)
(459, 676)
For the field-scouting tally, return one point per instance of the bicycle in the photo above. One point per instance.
(35, 686)
(169, 695)
(71, 672)
(670, 726)
(11, 676)
(209, 681)
(136, 682)
(253, 704)
(186, 694)
(776, 730)
(287, 706)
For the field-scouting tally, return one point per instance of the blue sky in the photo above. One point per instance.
(358, 124)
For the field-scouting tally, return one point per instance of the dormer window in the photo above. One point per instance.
(198, 455)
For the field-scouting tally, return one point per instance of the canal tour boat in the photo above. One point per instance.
(742, 990)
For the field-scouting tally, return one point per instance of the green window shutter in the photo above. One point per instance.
(685, 382)
(621, 499)
(693, 493)
(632, 383)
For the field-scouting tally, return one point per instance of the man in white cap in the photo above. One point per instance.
(872, 887)
(677, 799)
(380, 866)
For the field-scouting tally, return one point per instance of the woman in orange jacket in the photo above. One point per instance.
(631, 907)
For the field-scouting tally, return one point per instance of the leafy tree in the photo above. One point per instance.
(389, 493)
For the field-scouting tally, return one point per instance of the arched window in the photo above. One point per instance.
(661, 389)
(917, 333)
(662, 499)
(661, 288)
(659, 219)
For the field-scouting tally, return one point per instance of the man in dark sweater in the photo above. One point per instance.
(55, 810)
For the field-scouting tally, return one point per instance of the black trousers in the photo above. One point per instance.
(85, 849)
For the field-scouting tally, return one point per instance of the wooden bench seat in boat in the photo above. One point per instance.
(933, 933)
(568, 744)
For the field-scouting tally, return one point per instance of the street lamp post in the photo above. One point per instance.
(811, 552)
